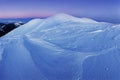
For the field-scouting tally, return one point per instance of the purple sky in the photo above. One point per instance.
(109, 9)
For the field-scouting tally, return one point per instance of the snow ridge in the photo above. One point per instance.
(61, 47)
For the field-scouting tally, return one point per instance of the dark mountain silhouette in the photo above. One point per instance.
(1, 24)
(5, 28)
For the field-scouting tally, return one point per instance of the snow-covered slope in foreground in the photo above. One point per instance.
(61, 47)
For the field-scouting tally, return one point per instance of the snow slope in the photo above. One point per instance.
(61, 47)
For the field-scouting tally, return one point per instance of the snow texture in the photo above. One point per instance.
(61, 47)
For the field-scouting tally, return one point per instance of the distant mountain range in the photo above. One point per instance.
(7, 27)
(11, 20)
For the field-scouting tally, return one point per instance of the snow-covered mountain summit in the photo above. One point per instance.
(66, 17)
(61, 47)
(55, 20)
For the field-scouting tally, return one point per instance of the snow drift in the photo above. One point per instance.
(61, 47)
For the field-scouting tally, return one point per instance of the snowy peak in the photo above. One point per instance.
(56, 21)
(61, 47)
(35, 21)
(66, 17)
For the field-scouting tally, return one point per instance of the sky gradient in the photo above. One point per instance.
(108, 10)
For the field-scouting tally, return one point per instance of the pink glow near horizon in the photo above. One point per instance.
(22, 15)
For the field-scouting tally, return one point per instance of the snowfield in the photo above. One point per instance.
(61, 47)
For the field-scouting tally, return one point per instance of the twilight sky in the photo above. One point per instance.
(101, 10)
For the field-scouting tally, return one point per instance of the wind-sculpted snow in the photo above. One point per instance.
(61, 47)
